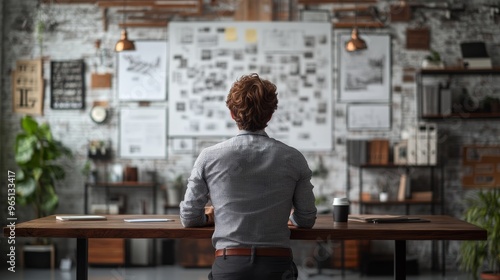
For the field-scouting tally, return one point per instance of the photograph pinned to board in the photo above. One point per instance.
(369, 117)
(182, 145)
(142, 73)
(365, 75)
(143, 132)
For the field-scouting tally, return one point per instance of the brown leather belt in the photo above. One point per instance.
(258, 251)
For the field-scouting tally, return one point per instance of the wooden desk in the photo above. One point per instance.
(440, 228)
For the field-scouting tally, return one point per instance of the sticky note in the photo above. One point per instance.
(231, 34)
(251, 36)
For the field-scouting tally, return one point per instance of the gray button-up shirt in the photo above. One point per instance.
(253, 181)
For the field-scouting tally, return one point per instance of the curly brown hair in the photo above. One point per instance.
(252, 101)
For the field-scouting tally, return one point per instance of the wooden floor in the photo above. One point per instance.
(179, 273)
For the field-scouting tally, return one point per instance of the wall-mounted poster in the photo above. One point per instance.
(142, 73)
(206, 58)
(481, 166)
(368, 117)
(27, 87)
(67, 85)
(143, 132)
(365, 75)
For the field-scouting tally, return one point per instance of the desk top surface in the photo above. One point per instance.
(440, 228)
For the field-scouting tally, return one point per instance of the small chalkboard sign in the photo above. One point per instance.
(67, 84)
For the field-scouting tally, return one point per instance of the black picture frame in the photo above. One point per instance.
(67, 84)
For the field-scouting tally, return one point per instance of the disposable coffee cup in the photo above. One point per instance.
(340, 209)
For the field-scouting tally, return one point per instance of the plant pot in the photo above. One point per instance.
(427, 64)
(383, 196)
(488, 275)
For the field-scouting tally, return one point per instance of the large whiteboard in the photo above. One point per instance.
(206, 58)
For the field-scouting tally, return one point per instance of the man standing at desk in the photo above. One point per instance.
(253, 181)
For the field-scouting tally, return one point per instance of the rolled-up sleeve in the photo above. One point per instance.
(192, 208)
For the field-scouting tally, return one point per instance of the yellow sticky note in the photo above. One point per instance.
(231, 34)
(251, 35)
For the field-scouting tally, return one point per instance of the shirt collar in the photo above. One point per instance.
(258, 132)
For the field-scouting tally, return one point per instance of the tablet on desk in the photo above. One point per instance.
(385, 219)
(80, 218)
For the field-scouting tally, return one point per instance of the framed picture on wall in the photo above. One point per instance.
(365, 75)
(369, 117)
(28, 87)
(67, 84)
(142, 73)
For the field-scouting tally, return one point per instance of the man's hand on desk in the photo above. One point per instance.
(209, 213)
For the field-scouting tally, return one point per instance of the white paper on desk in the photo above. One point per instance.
(80, 218)
(147, 220)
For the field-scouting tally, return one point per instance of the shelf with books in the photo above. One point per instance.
(421, 182)
(444, 93)
(412, 190)
(405, 195)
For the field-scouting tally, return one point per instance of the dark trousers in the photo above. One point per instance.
(253, 268)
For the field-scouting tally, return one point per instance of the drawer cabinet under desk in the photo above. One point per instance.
(116, 251)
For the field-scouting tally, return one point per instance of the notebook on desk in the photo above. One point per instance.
(386, 219)
(79, 218)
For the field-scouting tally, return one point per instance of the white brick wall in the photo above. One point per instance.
(78, 26)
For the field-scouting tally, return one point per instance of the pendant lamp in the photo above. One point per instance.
(355, 43)
(124, 44)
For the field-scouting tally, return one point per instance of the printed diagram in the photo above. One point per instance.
(142, 74)
(206, 59)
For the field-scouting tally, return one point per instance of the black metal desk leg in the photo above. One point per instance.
(82, 259)
(400, 260)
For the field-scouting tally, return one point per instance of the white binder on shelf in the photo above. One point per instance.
(432, 132)
(412, 147)
(422, 144)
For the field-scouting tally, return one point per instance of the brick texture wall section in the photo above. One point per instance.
(77, 27)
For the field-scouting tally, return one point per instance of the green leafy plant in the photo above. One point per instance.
(36, 153)
(434, 56)
(483, 211)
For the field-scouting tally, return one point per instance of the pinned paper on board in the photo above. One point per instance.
(230, 34)
(251, 35)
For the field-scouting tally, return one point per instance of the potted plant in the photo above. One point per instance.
(433, 61)
(36, 154)
(483, 211)
(383, 187)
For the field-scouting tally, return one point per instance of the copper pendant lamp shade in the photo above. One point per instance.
(355, 43)
(124, 44)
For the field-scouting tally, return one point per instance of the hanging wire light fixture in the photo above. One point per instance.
(355, 43)
(124, 44)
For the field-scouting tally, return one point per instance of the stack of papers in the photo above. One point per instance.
(386, 219)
